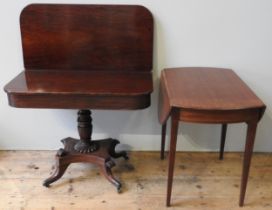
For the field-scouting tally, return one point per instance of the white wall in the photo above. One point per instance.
(235, 34)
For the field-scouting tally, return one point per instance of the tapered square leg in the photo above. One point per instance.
(223, 140)
(251, 132)
(172, 153)
(163, 134)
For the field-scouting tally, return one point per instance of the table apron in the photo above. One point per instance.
(69, 101)
(219, 116)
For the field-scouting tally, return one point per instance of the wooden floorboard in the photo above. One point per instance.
(201, 181)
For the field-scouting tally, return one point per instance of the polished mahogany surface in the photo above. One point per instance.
(81, 82)
(207, 95)
(84, 57)
(209, 88)
(87, 37)
(80, 90)
(201, 88)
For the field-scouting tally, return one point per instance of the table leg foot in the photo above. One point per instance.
(115, 154)
(60, 167)
(106, 171)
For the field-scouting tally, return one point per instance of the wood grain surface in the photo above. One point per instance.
(205, 88)
(209, 88)
(83, 37)
(84, 57)
(202, 182)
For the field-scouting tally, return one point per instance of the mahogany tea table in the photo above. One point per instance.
(207, 95)
(85, 57)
